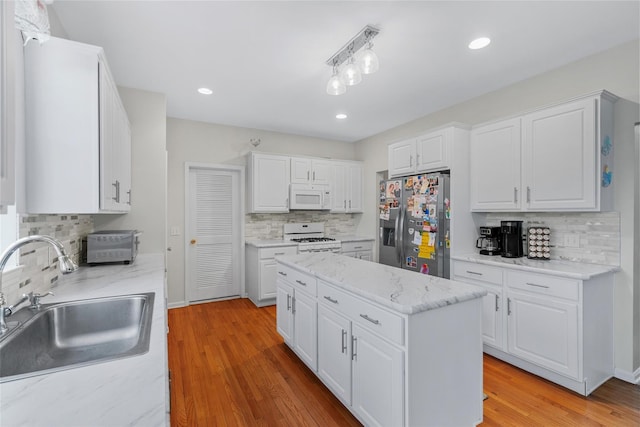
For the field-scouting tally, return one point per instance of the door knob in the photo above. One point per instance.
(193, 241)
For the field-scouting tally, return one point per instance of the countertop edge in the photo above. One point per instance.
(598, 269)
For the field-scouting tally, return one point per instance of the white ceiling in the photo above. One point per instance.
(265, 60)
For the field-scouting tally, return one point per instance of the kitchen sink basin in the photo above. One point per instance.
(72, 334)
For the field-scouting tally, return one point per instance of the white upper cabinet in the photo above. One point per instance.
(77, 132)
(402, 158)
(346, 187)
(495, 166)
(268, 181)
(8, 43)
(310, 171)
(426, 153)
(558, 158)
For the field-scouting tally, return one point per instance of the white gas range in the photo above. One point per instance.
(310, 238)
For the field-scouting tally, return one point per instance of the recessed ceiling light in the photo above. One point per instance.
(205, 91)
(341, 116)
(479, 43)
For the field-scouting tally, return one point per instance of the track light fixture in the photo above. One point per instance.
(349, 63)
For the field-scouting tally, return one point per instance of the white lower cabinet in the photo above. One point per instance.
(297, 313)
(261, 272)
(334, 352)
(377, 366)
(555, 327)
(358, 249)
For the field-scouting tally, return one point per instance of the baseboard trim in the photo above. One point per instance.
(176, 304)
(630, 377)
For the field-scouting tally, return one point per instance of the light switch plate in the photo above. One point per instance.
(175, 230)
(571, 241)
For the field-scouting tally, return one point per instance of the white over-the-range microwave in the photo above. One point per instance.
(309, 197)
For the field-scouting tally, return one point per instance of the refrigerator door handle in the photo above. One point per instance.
(397, 235)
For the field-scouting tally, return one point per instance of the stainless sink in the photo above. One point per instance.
(71, 334)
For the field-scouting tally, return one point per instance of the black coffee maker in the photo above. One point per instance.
(511, 239)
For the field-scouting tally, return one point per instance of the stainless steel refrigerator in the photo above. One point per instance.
(414, 223)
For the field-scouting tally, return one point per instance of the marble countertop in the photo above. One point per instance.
(124, 392)
(573, 270)
(353, 238)
(404, 291)
(269, 243)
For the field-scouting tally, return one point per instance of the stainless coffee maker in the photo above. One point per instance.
(489, 241)
(512, 241)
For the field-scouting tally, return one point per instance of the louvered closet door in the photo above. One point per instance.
(215, 240)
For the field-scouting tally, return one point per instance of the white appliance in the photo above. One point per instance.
(310, 238)
(309, 197)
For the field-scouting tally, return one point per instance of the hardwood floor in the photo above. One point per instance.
(229, 367)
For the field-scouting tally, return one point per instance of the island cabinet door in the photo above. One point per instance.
(284, 311)
(378, 379)
(492, 318)
(305, 328)
(334, 352)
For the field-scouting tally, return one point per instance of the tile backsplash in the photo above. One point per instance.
(39, 271)
(270, 226)
(580, 237)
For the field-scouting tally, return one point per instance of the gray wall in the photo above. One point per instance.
(190, 141)
(615, 70)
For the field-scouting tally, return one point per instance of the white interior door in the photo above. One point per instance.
(214, 233)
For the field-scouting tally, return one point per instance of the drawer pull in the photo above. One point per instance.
(282, 273)
(301, 282)
(279, 253)
(474, 272)
(344, 341)
(328, 298)
(537, 286)
(374, 321)
(357, 247)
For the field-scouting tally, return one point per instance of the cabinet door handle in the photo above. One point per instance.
(349, 204)
(314, 175)
(345, 204)
(537, 286)
(508, 306)
(417, 159)
(301, 282)
(354, 342)
(497, 298)
(307, 175)
(293, 305)
(282, 273)
(115, 185)
(515, 194)
(288, 302)
(328, 298)
(344, 341)
(129, 196)
(410, 161)
(528, 194)
(374, 321)
(474, 272)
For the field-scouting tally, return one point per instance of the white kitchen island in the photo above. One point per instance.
(396, 347)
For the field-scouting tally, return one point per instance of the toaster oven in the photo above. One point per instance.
(111, 246)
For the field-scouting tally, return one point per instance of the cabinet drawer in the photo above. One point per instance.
(266, 253)
(300, 280)
(480, 272)
(376, 319)
(357, 246)
(544, 284)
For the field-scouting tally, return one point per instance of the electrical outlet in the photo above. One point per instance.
(571, 241)
(175, 230)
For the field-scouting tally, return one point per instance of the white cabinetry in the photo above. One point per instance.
(361, 249)
(77, 132)
(549, 159)
(346, 187)
(426, 153)
(353, 361)
(9, 53)
(297, 313)
(555, 327)
(495, 166)
(261, 272)
(268, 180)
(310, 171)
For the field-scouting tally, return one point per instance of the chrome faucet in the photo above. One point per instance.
(65, 264)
